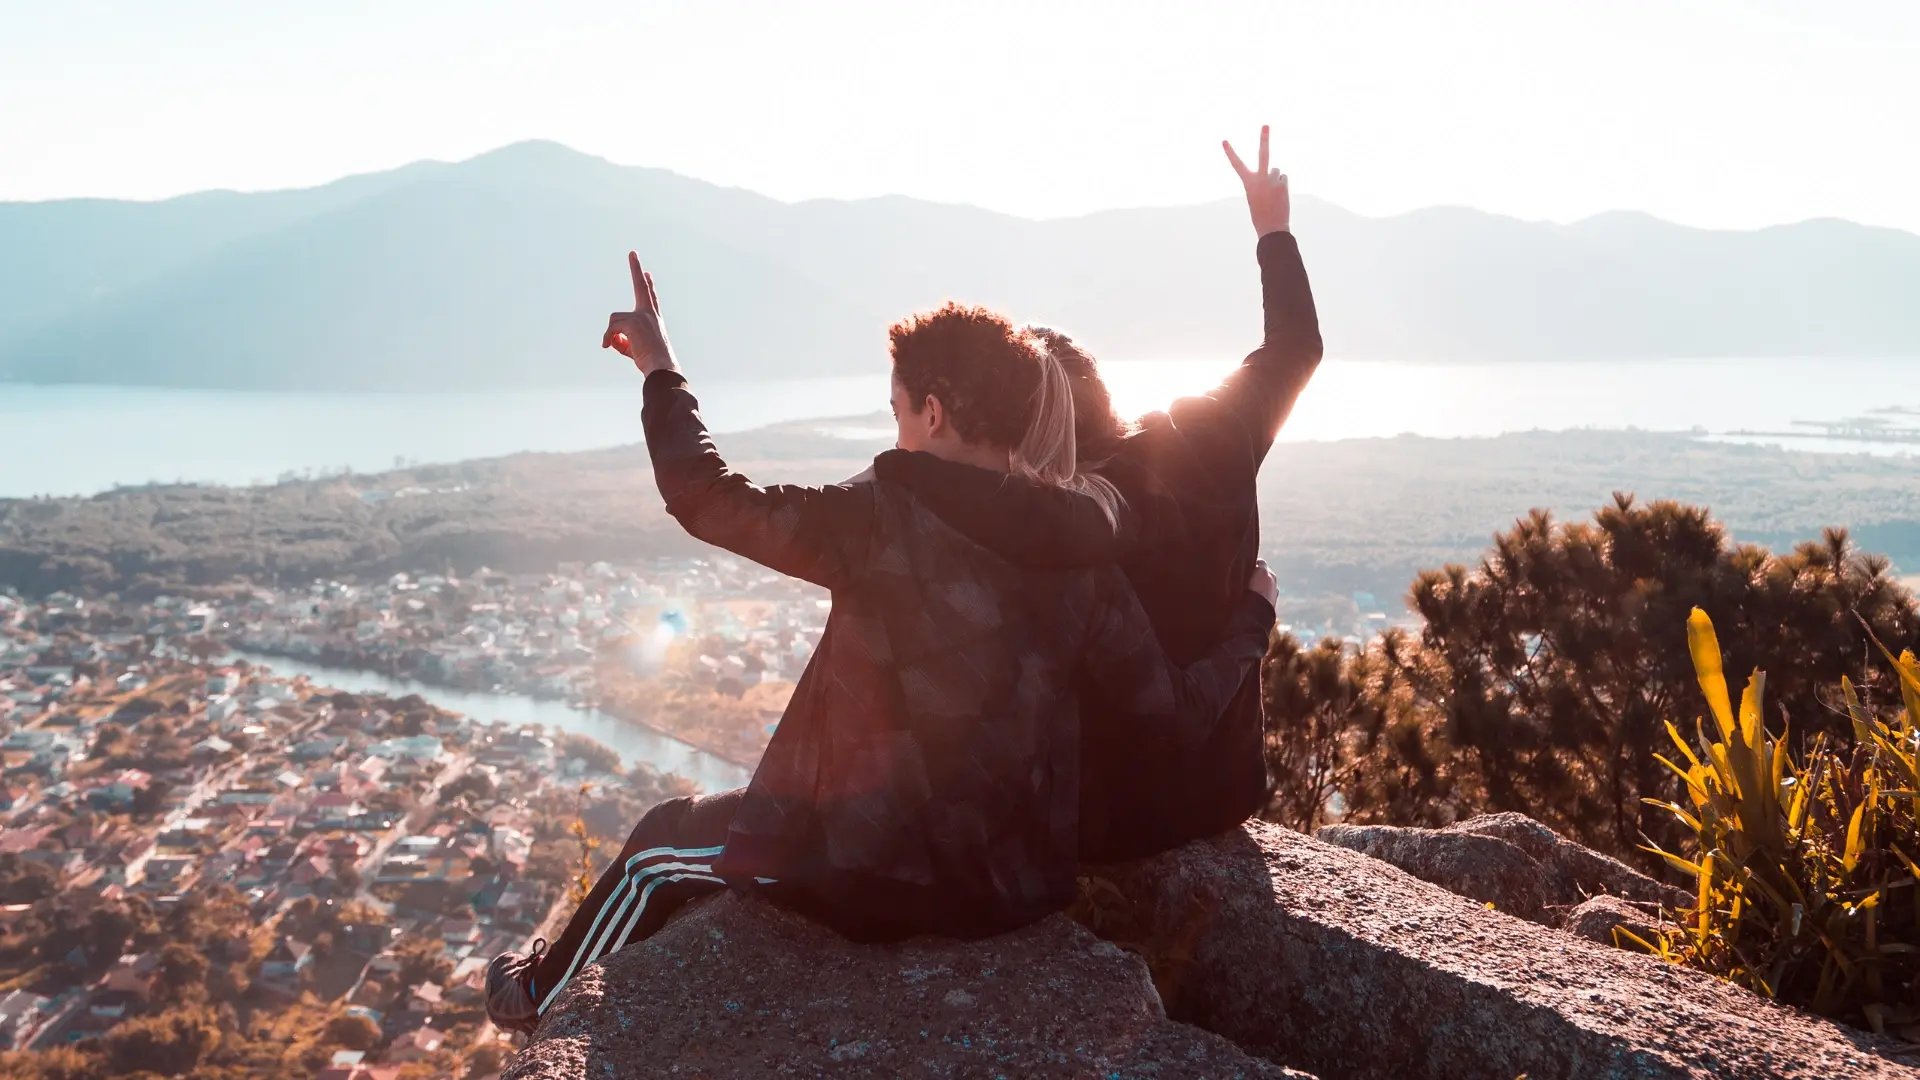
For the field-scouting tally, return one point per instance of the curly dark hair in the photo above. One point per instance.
(1097, 427)
(982, 369)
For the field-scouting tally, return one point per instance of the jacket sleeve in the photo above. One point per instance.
(1135, 693)
(819, 534)
(1241, 416)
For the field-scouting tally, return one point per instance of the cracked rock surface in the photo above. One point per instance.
(1271, 951)
(1345, 966)
(738, 988)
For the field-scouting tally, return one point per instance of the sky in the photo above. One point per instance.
(1707, 112)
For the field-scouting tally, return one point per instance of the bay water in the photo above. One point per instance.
(81, 439)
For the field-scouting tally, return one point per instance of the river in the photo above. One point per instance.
(633, 742)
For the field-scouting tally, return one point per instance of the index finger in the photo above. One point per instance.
(1238, 165)
(1263, 149)
(641, 300)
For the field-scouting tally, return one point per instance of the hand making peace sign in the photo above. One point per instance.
(1266, 188)
(640, 335)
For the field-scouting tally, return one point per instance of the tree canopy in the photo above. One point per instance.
(1541, 680)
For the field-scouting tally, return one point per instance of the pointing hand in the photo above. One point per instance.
(640, 335)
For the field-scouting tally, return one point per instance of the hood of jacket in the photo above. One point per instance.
(1024, 522)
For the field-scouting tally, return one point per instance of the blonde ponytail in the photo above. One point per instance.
(1047, 453)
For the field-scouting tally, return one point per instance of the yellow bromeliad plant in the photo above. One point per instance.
(1805, 874)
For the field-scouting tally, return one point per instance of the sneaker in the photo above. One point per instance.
(510, 1003)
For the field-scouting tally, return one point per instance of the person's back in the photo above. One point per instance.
(1190, 537)
(925, 774)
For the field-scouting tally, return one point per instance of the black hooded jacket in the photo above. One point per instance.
(1190, 537)
(925, 776)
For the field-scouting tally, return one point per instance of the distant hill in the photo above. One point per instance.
(499, 271)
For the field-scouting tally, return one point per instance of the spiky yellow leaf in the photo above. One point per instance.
(1687, 776)
(1909, 668)
(1905, 665)
(1862, 730)
(1659, 950)
(1691, 869)
(1676, 810)
(1751, 726)
(1780, 763)
(1912, 867)
(1850, 857)
(1705, 647)
(1797, 808)
(1674, 734)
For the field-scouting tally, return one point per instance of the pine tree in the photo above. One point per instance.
(1542, 679)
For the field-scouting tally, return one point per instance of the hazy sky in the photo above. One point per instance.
(1709, 112)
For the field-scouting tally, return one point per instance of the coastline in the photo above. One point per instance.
(701, 745)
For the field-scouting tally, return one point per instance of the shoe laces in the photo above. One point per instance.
(520, 965)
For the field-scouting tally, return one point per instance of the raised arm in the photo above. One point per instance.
(1245, 412)
(818, 534)
(1138, 695)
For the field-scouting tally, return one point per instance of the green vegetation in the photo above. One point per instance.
(597, 758)
(204, 1023)
(1363, 515)
(1546, 681)
(213, 1029)
(172, 1043)
(1803, 865)
(1541, 681)
(354, 1032)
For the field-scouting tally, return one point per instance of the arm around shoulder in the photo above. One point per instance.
(1145, 697)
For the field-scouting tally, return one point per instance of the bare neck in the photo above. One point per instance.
(979, 455)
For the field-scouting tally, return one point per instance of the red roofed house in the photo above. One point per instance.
(416, 1044)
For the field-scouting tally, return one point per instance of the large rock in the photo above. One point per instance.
(1598, 918)
(735, 988)
(1483, 868)
(1326, 960)
(1573, 872)
(1508, 860)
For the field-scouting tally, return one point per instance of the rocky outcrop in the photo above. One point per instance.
(1320, 958)
(1483, 868)
(1269, 951)
(735, 988)
(1572, 870)
(1508, 860)
(1600, 916)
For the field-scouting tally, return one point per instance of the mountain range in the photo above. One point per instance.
(499, 272)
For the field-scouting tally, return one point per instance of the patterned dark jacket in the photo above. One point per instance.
(925, 776)
(1189, 539)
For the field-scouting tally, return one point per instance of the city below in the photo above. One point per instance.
(355, 855)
